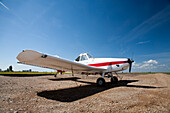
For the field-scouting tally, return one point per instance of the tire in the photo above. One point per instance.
(114, 79)
(100, 82)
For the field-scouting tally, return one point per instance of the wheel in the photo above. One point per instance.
(100, 82)
(114, 79)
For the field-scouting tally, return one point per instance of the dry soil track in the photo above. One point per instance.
(134, 93)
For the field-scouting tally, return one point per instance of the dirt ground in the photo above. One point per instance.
(134, 93)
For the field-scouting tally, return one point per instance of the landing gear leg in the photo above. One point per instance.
(103, 75)
(55, 75)
(119, 76)
(113, 79)
(72, 71)
(101, 81)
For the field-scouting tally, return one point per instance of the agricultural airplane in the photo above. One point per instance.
(84, 64)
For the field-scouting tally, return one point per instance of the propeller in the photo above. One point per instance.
(130, 61)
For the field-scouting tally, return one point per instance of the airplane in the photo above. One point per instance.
(83, 64)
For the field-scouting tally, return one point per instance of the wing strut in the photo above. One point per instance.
(72, 70)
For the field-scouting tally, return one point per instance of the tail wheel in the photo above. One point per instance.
(100, 82)
(114, 79)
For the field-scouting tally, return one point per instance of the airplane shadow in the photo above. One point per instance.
(79, 92)
(65, 79)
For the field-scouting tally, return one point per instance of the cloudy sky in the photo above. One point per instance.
(103, 28)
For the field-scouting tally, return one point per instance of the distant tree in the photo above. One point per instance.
(10, 69)
(7, 70)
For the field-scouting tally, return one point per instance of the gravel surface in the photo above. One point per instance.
(148, 93)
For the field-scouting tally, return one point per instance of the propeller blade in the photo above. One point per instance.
(130, 64)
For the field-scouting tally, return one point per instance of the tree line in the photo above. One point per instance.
(9, 69)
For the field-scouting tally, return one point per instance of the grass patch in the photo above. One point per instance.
(148, 73)
(30, 73)
(167, 73)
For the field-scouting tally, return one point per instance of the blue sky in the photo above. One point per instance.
(103, 28)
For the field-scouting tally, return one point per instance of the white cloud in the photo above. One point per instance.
(163, 65)
(151, 62)
(150, 66)
(135, 64)
(146, 65)
(4, 5)
(144, 42)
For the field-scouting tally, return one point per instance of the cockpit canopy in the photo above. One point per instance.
(83, 56)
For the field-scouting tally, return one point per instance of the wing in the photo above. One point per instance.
(31, 57)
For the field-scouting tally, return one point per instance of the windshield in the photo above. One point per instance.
(84, 57)
(89, 56)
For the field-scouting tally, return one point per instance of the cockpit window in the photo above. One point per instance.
(84, 57)
(77, 59)
(89, 56)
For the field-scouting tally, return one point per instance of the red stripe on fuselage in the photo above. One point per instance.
(107, 63)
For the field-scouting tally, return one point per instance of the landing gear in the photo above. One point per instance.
(55, 75)
(101, 82)
(114, 79)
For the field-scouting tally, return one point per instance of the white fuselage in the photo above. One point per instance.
(110, 64)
